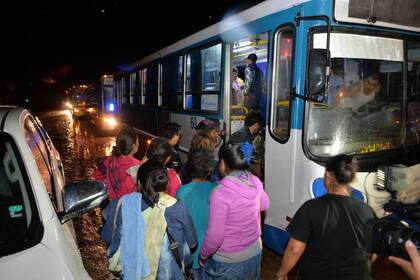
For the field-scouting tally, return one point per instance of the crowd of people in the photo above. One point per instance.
(201, 219)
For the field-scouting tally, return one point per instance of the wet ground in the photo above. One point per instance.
(80, 144)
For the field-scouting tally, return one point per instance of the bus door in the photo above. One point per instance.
(248, 89)
(282, 142)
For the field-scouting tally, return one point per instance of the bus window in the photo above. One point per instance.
(172, 82)
(134, 89)
(362, 111)
(123, 86)
(143, 83)
(126, 92)
(203, 79)
(249, 76)
(151, 85)
(282, 83)
(413, 93)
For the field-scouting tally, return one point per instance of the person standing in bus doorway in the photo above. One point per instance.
(254, 121)
(254, 83)
(238, 86)
(327, 234)
(253, 124)
(172, 132)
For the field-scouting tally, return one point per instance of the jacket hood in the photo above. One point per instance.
(243, 185)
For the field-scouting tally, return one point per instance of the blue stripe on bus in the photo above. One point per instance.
(275, 238)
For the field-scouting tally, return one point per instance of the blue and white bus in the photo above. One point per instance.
(340, 76)
(107, 117)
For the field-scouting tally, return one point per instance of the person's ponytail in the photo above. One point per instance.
(343, 168)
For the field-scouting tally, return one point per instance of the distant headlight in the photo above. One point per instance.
(112, 122)
(69, 105)
(76, 110)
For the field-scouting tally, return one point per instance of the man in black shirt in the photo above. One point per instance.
(327, 233)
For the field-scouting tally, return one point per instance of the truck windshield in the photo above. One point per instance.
(362, 111)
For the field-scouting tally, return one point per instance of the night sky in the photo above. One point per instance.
(48, 46)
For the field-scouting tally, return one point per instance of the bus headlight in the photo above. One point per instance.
(112, 122)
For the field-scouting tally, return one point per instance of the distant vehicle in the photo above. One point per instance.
(107, 117)
(312, 55)
(83, 101)
(37, 238)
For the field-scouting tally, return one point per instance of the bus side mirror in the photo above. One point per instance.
(317, 74)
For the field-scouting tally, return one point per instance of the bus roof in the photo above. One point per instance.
(229, 23)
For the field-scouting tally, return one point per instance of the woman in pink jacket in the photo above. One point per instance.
(232, 245)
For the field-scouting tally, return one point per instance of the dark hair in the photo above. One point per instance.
(153, 178)
(253, 57)
(207, 125)
(234, 157)
(200, 163)
(253, 117)
(171, 129)
(235, 69)
(159, 150)
(125, 140)
(343, 168)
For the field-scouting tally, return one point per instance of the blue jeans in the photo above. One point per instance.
(246, 270)
(195, 274)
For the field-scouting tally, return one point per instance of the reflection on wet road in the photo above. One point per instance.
(80, 145)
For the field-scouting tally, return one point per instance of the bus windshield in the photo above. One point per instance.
(362, 109)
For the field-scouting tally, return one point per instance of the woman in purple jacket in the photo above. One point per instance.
(232, 245)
